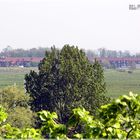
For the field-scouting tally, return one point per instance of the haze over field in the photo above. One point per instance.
(86, 23)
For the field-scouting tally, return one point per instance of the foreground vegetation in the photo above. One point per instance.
(116, 120)
(15, 102)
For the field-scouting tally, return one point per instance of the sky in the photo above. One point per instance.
(88, 24)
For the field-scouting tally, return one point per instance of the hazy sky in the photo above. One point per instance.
(89, 24)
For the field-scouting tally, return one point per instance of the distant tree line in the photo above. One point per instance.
(103, 52)
(91, 54)
(33, 52)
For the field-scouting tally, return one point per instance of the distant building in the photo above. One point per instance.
(20, 61)
(121, 62)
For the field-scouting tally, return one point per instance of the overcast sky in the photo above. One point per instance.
(89, 24)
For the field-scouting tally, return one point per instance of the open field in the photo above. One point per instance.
(13, 75)
(118, 83)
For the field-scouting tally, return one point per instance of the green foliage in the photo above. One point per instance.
(15, 102)
(66, 80)
(21, 117)
(117, 120)
(12, 97)
(121, 117)
(3, 115)
(50, 126)
(9, 132)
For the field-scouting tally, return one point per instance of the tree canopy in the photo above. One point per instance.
(66, 79)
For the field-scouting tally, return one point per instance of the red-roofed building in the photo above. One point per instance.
(120, 62)
(20, 61)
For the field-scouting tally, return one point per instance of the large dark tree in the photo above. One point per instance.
(66, 79)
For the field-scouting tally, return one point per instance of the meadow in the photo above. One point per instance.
(13, 76)
(118, 83)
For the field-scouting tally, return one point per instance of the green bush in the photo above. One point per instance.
(15, 102)
(9, 132)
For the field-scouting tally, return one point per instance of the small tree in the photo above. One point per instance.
(11, 97)
(66, 79)
(15, 102)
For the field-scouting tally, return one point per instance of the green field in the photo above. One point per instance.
(118, 83)
(13, 75)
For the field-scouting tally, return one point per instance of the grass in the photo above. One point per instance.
(13, 75)
(118, 83)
